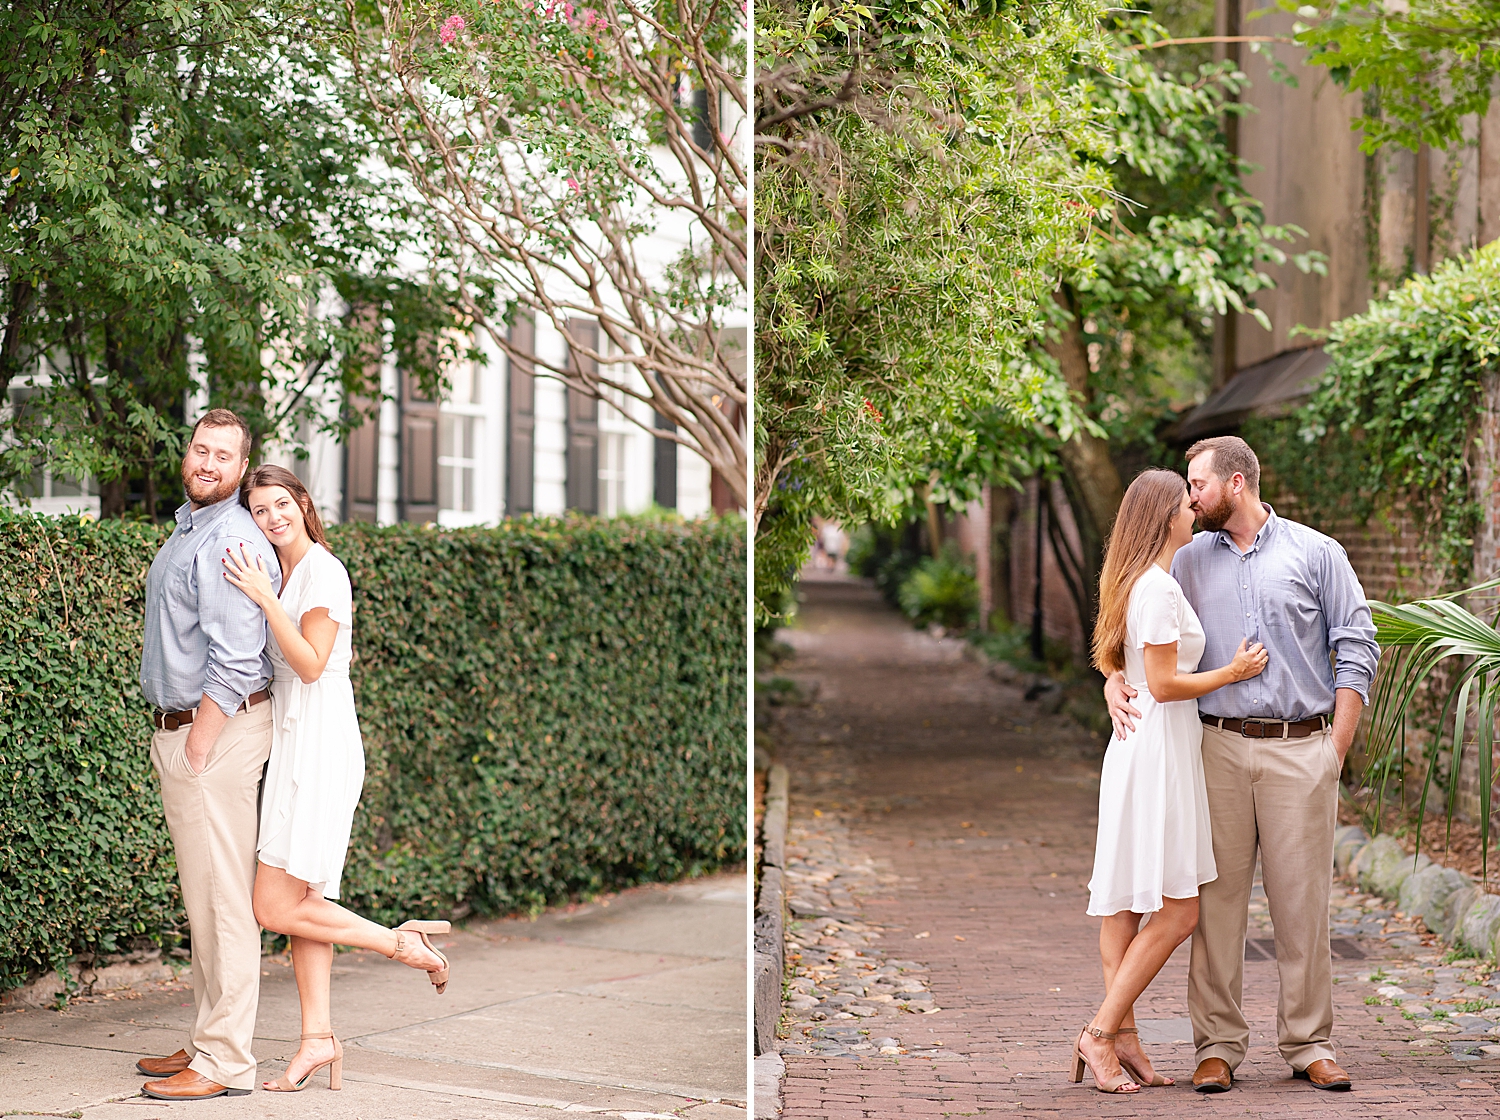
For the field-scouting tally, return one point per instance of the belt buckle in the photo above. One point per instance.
(1260, 728)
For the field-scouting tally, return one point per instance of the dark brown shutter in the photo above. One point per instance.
(583, 423)
(521, 410)
(419, 421)
(362, 467)
(664, 491)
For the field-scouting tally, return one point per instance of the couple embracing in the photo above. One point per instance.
(258, 750)
(1209, 766)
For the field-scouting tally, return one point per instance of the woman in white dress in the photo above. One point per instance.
(316, 769)
(1154, 847)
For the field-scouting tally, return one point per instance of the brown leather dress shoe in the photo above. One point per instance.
(1325, 1074)
(189, 1085)
(1213, 1075)
(164, 1067)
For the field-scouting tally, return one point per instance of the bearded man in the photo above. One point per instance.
(205, 670)
(1273, 749)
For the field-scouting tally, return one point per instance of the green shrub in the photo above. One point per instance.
(548, 708)
(940, 589)
(1389, 425)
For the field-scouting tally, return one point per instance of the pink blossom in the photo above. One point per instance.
(574, 184)
(450, 29)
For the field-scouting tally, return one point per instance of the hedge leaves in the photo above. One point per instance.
(548, 708)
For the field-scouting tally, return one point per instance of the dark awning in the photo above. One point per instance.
(1269, 388)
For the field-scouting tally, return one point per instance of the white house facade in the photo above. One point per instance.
(504, 441)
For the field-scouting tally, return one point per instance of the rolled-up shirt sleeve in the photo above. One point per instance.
(234, 626)
(1351, 627)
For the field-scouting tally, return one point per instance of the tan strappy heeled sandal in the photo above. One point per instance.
(335, 1066)
(438, 976)
(1121, 1084)
(1155, 1081)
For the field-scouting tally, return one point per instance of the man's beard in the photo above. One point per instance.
(1216, 517)
(207, 495)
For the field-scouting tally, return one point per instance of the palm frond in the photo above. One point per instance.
(1419, 638)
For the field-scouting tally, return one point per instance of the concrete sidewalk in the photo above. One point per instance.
(632, 1007)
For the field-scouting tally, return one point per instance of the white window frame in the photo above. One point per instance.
(472, 459)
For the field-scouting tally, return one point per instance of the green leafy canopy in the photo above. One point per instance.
(182, 191)
(917, 193)
(1426, 65)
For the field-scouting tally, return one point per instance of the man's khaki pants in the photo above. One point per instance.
(1280, 795)
(213, 820)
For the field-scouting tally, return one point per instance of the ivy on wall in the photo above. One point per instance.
(548, 708)
(1392, 420)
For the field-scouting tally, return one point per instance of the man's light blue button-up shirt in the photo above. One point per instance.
(204, 636)
(1293, 590)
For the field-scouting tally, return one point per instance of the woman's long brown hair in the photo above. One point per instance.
(1142, 528)
(280, 476)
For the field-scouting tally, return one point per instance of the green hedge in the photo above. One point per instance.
(548, 708)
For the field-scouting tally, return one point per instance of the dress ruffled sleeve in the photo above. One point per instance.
(1159, 618)
(329, 587)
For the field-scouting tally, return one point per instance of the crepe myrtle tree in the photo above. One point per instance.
(547, 140)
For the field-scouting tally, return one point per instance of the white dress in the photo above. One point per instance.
(1154, 837)
(317, 765)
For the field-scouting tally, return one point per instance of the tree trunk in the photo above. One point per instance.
(1086, 564)
(112, 494)
(112, 498)
(934, 528)
(1090, 479)
(21, 294)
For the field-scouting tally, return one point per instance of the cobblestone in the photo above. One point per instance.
(943, 831)
(846, 996)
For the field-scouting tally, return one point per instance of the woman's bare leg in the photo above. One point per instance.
(1115, 937)
(1118, 931)
(284, 904)
(1145, 954)
(313, 963)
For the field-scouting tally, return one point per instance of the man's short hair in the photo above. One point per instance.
(1232, 456)
(223, 418)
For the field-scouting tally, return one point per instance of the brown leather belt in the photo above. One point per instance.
(171, 721)
(1269, 728)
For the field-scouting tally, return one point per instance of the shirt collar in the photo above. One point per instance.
(189, 519)
(1263, 536)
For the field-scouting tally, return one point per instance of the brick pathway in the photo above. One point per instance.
(968, 820)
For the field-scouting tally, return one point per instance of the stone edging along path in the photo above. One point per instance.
(1448, 902)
